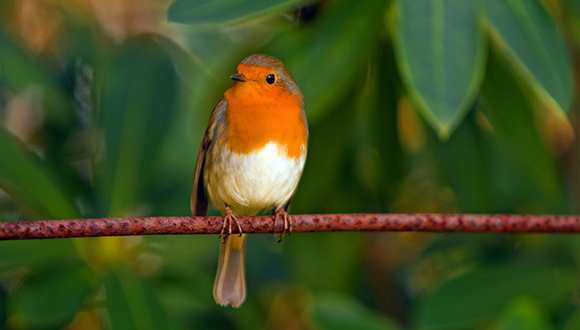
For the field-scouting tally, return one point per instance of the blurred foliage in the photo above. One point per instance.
(413, 105)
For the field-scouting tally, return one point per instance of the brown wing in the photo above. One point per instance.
(199, 201)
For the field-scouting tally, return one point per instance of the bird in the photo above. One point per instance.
(251, 158)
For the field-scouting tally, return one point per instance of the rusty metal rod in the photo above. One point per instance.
(301, 223)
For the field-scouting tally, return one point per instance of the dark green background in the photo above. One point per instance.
(414, 106)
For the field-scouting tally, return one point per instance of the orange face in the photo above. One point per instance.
(262, 108)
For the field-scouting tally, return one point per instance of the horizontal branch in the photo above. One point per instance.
(301, 223)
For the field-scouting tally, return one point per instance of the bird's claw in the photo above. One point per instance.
(287, 222)
(229, 217)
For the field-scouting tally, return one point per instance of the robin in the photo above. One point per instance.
(250, 159)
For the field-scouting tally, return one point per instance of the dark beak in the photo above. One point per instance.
(238, 77)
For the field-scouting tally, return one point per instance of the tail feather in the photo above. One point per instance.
(230, 281)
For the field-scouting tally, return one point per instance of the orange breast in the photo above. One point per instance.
(256, 116)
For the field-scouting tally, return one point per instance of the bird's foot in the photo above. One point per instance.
(281, 213)
(229, 218)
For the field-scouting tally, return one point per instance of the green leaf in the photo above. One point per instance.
(51, 296)
(139, 92)
(28, 253)
(224, 11)
(3, 308)
(511, 114)
(131, 304)
(384, 130)
(525, 313)
(328, 253)
(311, 53)
(532, 40)
(341, 312)
(463, 163)
(186, 64)
(573, 323)
(480, 295)
(31, 183)
(441, 56)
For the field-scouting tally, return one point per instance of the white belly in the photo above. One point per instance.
(248, 183)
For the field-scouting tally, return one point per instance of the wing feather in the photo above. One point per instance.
(199, 200)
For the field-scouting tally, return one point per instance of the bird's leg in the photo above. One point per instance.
(229, 217)
(287, 222)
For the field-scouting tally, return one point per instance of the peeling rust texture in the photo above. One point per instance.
(301, 223)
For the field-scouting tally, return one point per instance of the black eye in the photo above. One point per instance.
(270, 79)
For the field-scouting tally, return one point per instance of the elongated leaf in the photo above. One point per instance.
(336, 313)
(573, 321)
(3, 308)
(31, 183)
(221, 11)
(50, 297)
(29, 253)
(511, 114)
(384, 127)
(131, 304)
(463, 162)
(184, 61)
(343, 262)
(441, 55)
(138, 103)
(311, 53)
(482, 294)
(532, 39)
